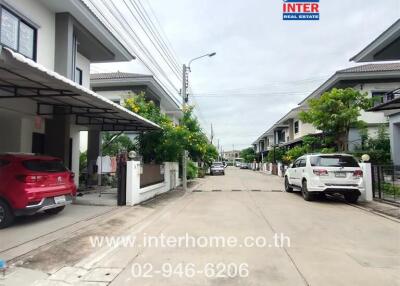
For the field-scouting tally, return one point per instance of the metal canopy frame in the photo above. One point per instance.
(15, 84)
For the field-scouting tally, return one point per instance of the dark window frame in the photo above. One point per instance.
(80, 72)
(379, 94)
(296, 127)
(20, 19)
(296, 163)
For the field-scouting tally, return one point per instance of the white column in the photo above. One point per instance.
(280, 169)
(167, 175)
(367, 195)
(132, 183)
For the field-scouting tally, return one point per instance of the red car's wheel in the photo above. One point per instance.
(6, 215)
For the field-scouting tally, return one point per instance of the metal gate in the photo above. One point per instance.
(386, 183)
(121, 177)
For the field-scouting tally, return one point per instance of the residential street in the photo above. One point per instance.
(331, 243)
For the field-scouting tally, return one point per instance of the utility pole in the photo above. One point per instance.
(185, 84)
(185, 100)
(218, 152)
(212, 133)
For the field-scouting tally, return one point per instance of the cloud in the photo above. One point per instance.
(257, 52)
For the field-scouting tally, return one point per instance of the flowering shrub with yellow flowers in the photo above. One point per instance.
(167, 144)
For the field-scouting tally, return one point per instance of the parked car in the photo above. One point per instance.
(30, 184)
(217, 168)
(244, 166)
(325, 174)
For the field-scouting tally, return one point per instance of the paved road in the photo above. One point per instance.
(331, 243)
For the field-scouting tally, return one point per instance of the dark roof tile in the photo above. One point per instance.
(116, 75)
(372, 68)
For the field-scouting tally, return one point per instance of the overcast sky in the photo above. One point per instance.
(264, 66)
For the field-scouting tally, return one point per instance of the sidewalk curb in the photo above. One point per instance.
(376, 213)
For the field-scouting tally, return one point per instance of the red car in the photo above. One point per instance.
(30, 183)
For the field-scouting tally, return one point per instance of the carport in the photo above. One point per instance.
(43, 112)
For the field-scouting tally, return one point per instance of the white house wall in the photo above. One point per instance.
(45, 19)
(304, 129)
(375, 117)
(115, 95)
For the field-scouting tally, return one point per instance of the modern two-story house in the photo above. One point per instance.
(46, 50)
(118, 86)
(386, 47)
(374, 79)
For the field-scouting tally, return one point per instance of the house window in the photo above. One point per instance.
(296, 127)
(378, 97)
(78, 76)
(17, 34)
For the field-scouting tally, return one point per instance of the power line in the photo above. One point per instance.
(267, 84)
(239, 95)
(162, 53)
(136, 38)
(157, 35)
(160, 28)
(117, 30)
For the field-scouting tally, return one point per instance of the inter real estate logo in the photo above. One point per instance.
(301, 10)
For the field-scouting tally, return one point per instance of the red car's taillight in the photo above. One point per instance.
(320, 172)
(358, 173)
(31, 179)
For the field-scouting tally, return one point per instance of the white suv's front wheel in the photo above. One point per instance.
(288, 188)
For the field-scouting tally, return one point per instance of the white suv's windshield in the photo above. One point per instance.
(333, 161)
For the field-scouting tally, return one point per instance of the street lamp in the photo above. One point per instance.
(185, 85)
(203, 56)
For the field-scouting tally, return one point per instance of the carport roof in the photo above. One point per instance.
(23, 78)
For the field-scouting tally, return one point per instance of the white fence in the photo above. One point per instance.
(135, 195)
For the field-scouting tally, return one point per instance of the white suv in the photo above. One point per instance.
(319, 174)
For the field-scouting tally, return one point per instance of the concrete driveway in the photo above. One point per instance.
(331, 243)
(29, 232)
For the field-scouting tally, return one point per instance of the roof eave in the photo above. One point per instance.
(84, 15)
(367, 54)
(145, 79)
(347, 76)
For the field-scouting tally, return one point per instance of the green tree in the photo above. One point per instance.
(113, 143)
(335, 112)
(378, 147)
(276, 155)
(294, 153)
(168, 143)
(248, 155)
